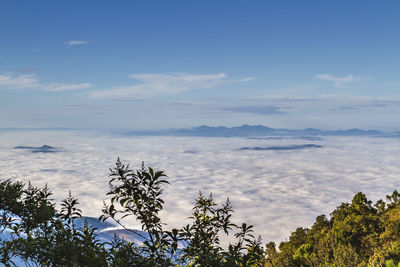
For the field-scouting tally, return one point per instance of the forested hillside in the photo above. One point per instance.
(356, 234)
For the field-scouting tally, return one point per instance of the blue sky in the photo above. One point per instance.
(172, 64)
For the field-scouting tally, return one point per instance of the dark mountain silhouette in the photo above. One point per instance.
(291, 147)
(41, 149)
(308, 138)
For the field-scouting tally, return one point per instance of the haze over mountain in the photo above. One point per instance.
(258, 130)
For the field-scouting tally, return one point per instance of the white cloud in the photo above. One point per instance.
(154, 84)
(162, 84)
(246, 79)
(66, 87)
(28, 81)
(339, 81)
(75, 42)
(277, 191)
(19, 81)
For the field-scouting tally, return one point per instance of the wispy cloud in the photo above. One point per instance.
(246, 79)
(66, 87)
(76, 42)
(19, 81)
(339, 81)
(256, 109)
(153, 84)
(30, 81)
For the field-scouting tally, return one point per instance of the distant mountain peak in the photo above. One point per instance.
(46, 147)
(41, 149)
(247, 130)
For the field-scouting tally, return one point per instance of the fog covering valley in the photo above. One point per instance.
(277, 190)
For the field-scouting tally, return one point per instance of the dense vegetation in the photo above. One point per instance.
(357, 233)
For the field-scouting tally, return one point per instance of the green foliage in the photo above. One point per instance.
(39, 234)
(357, 234)
(138, 193)
(203, 237)
(391, 263)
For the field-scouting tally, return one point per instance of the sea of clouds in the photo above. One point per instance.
(277, 191)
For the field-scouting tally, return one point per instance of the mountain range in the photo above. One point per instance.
(259, 130)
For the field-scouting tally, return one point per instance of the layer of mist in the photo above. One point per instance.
(276, 190)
